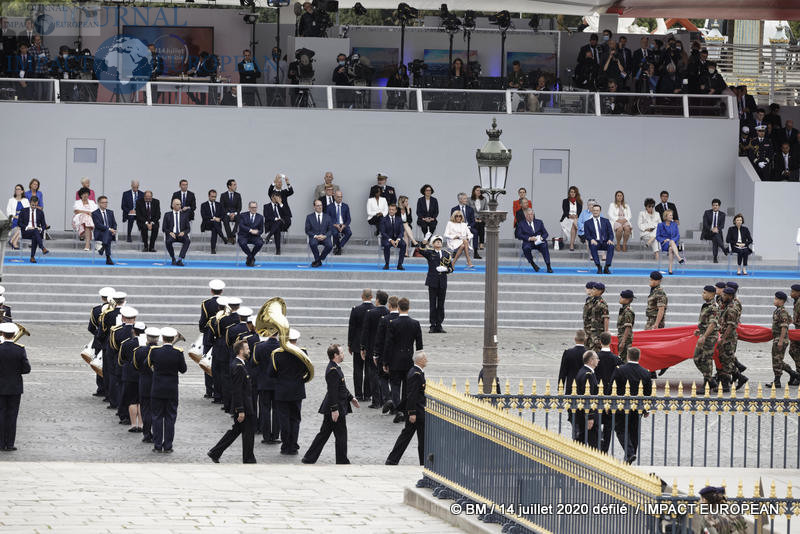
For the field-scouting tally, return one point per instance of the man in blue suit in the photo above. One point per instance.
(469, 218)
(319, 228)
(251, 226)
(33, 225)
(129, 199)
(392, 237)
(105, 227)
(598, 232)
(533, 235)
(339, 212)
(176, 229)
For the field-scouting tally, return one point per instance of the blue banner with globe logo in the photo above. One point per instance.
(123, 64)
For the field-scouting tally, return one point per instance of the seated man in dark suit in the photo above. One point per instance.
(251, 226)
(211, 214)
(664, 204)
(533, 235)
(187, 198)
(129, 200)
(32, 222)
(176, 228)
(391, 228)
(277, 219)
(232, 204)
(105, 227)
(713, 224)
(784, 164)
(339, 212)
(626, 426)
(327, 197)
(571, 362)
(148, 215)
(598, 232)
(469, 218)
(585, 429)
(787, 133)
(319, 228)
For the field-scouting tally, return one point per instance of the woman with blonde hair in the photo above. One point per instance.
(459, 237)
(620, 215)
(405, 215)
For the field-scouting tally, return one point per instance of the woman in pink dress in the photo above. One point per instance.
(82, 218)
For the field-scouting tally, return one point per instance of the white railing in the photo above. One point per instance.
(417, 100)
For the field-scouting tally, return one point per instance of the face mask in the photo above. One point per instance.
(341, 63)
(652, 46)
(65, 56)
(276, 56)
(711, 71)
(605, 38)
(679, 48)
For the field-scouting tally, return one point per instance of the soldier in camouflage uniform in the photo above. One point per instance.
(728, 321)
(719, 523)
(587, 313)
(794, 346)
(738, 303)
(599, 318)
(780, 336)
(707, 327)
(625, 322)
(656, 311)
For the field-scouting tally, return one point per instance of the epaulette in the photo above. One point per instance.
(19, 344)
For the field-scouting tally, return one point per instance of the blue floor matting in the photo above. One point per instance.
(342, 266)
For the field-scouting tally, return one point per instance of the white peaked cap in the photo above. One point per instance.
(152, 331)
(216, 285)
(129, 312)
(8, 328)
(234, 301)
(106, 291)
(294, 334)
(244, 311)
(138, 325)
(119, 295)
(168, 331)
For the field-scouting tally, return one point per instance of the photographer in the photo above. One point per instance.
(308, 26)
(613, 69)
(397, 99)
(586, 72)
(344, 98)
(66, 67)
(647, 81)
(670, 83)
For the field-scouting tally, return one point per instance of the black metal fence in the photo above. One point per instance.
(506, 470)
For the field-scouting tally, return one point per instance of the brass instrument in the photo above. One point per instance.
(271, 319)
(21, 331)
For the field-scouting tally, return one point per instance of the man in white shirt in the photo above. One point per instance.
(339, 212)
(176, 228)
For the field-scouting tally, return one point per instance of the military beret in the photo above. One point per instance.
(712, 489)
(729, 291)
(627, 294)
(780, 295)
(600, 285)
(795, 287)
(655, 275)
(720, 285)
(710, 289)
(733, 285)
(589, 285)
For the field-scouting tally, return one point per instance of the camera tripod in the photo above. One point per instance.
(304, 98)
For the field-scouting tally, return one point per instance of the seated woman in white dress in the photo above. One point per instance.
(82, 217)
(458, 237)
(649, 219)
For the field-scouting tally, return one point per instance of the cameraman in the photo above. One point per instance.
(308, 27)
(586, 72)
(66, 67)
(397, 99)
(344, 98)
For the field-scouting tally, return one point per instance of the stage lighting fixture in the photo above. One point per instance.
(278, 3)
(359, 10)
(534, 22)
(247, 3)
(250, 18)
(469, 20)
(406, 13)
(502, 19)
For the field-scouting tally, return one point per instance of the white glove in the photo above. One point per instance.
(441, 269)
(762, 164)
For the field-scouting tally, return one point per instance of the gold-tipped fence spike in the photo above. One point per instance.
(480, 385)
(560, 387)
(772, 390)
(466, 386)
(719, 390)
(441, 382)
(789, 491)
(674, 487)
(757, 490)
(740, 490)
(494, 387)
(666, 389)
(680, 388)
(694, 389)
(614, 389)
(760, 391)
(747, 390)
(547, 388)
(691, 488)
(627, 388)
(707, 394)
(533, 388)
(574, 388)
(521, 387)
(508, 387)
(772, 494)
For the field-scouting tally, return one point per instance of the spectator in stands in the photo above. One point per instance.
(176, 230)
(327, 197)
(319, 229)
(713, 83)
(669, 238)
(648, 223)
(211, 213)
(285, 192)
(105, 228)
(42, 57)
(785, 165)
(404, 211)
(249, 73)
(536, 102)
(326, 180)
(591, 49)
(713, 225)
(307, 27)
(571, 208)
(669, 83)
(377, 208)
(277, 220)
(757, 120)
(773, 118)
(32, 223)
(398, 99)
(620, 215)
(387, 191)
(469, 218)
(761, 153)
(249, 229)
(597, 230)
(516, 78)
(27, 36)
(187, 198)
(156, 62)
(665, 205)
(275, 69)
(672, 54)
(613, 105)
(522, 194)
(391, 231)
(641, 57)
(85, 182)
(786, 134)
(129, 200)
(697, 68)
(658, 52)
(24, 67)
(587, 71)
(339, 212)
(613, 68)
(478, 203)
(344, 97)
(148, 219)
(740, 241)
(15, 205)
(427, 212)
(584, 216)
(647, 81)
(33, 190)
(533, 234)
(605, 38)
(519, 215)
(458, 77)
(82, 217)
(625, 57)
(458, 235)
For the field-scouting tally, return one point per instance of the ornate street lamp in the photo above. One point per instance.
(493, 160)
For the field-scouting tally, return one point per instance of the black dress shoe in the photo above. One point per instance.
(207, 396)
(477, 256)
(401, 268)
(549, 269)
(306, 460)
(606, 270)
(374, 406)
(45, 251)
(180, 262)
(174, 262)
(134, 429)
(716, 260)
(277, 252)
(316, 264)
(398, 418)
(726, 251)
(386, 267)
(147, 439)
(109, 262)
(387, 407)
(33, 260)
(535, 267)
(213, 458)
(216, 401)
(124, 421)
(145, 249)
(213, 251)
(157, 450)
(599, 270)
(101, 251)
(169, 451)
(389, 462)
(97, 394)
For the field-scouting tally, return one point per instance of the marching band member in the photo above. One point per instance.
(94, 328)
(290, 390)
(267, 411)
(152, 336)
(108, 319)
(440, 264)
(130, 378)
(13, 364)
(119, 334)
(209, 309)
(166, 362)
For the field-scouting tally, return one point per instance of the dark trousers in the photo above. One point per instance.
(9, 409)
(608, 429)
(340, 239)
(113, 384)
(218, 359)
(147, 415)
(401, 254)
(360, 378)
(716, 244)
(131, 222)
(289, 417)
(436, 297)
(397, 380)
(274, 230)
(314, 245)
(480, 229)
(627, 429)
(107, 377)
(105, 239)
(741, 255)
(254, 240)
(247, 429)
(371, 373)
(268, 415)
(405, 438)
(426, 226)
(35, 235)
(375, 221)
(209, 382)
(149, 236)
(216, 231)
(165, 412)
(339, 431)
(601, 246)
(185, 241)
(100, 388)
(528, 248)
(583, 435)
(231, 226)
(122, 408)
